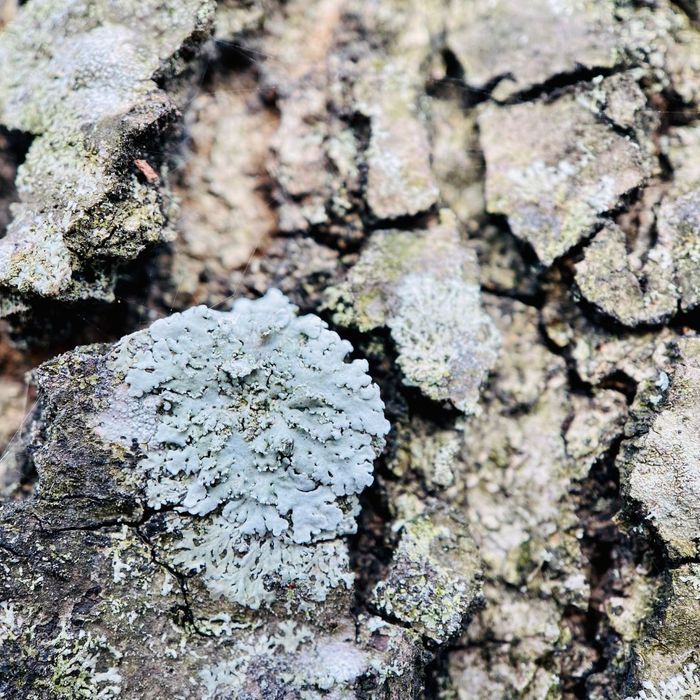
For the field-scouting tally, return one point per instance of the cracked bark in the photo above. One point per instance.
(532, 529)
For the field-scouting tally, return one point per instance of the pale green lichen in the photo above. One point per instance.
(424, 286)
(553, 167)
(76, 674)
(481, 32)
(72, 658)
(434, 579)
(633, 289)
(671, 636)
(318, 664)
(252, 421)
(292, 660)
(660, 466)
(681, 686)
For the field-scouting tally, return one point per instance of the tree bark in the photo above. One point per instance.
(496, 203)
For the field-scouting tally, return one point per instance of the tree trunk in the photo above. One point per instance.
(349, 349)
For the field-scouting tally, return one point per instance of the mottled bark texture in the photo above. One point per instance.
(437, 434)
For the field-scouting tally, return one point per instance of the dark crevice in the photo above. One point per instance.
(147, 513)
(576, 384)
(188, 618)
(437, 674)
(670, 108)
(51, 327)
(441, 414)
(622, 383)
(409, 222)
(231, 57)
(454, 85)
(370, 549)
(14, 146)
(557, 85)
(532, 272)
(632, 222)
(689, 319)
(690, 7)
(602, 544)
(534, 300)
(346, 232)
(608, 550)
(91, 526)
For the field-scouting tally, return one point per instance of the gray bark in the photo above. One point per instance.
(496, 203)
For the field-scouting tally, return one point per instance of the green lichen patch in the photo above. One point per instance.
(424, 286)
(79, 76)
(433, 581)
(103, 595)
(481, 35)
(660, 462)
(667, 656)
(630, 289)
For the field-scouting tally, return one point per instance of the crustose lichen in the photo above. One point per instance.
(253, 426)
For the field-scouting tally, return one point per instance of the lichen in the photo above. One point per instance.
(680, 686)
(481, 32)
(80, 77)
(630, 290)
(252, 421)
(659, 465)
(554, 167)
(75, 669)
(307, 663)
(678, 221)
(424, 286)
(400, 180)
(434, 579)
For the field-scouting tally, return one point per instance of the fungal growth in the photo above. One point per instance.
(258, 435)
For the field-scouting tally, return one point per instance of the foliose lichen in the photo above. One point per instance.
(258, 434)
(681, 686)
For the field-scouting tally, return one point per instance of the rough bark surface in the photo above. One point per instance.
(432, 429)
